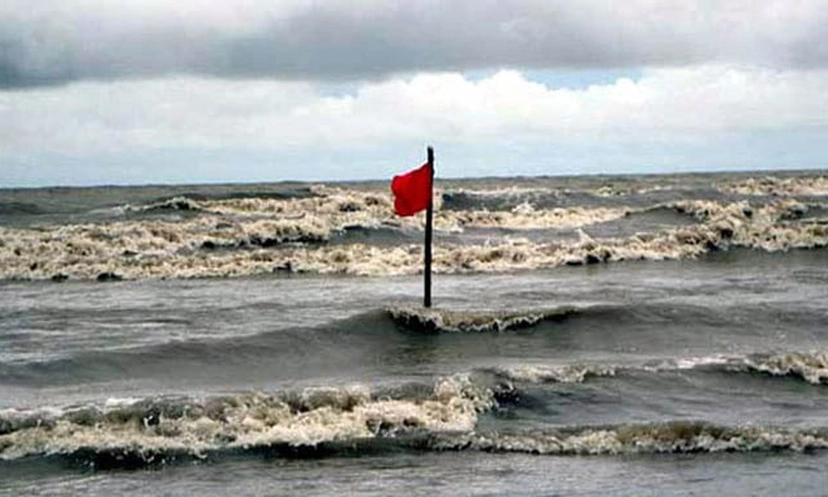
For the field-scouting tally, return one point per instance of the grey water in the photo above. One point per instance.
(703, 376)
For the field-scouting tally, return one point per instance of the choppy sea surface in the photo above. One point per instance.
(637, 335)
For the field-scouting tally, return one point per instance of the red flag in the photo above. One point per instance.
(412, 191)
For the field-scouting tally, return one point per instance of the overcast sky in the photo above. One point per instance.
(153, 91)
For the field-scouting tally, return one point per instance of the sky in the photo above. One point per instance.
(201, 91)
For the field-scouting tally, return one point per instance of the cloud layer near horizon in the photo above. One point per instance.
(47, 43)
(663, 105)
(661, 110)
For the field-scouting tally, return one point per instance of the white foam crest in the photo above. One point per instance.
(506, 192)
(672, 437)
(811, 367)
(253, 420)
(86, 259)
(45, 413)
(443, 320)
(574, 373)
(690, 363)
(115, 402)
(131, 248)
(623, 191)
(180, 203)
(352, 207)
(525, 216)
(772, 185)
(347, 206)
(768, 227)
(163, 249)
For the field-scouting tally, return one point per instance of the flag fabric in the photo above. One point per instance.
(412, 191)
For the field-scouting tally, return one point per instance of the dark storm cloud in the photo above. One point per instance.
(49, 43)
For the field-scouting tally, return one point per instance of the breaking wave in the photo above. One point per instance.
(811, 367)
(151, 429)
(551, 196)
(247, 236)
(655, 438)
(348, 422)
(443, 415)
(500, 199)
(180, 203)
(772, 185)
(569, 373)
(435, 320)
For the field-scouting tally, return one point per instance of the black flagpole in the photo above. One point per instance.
(429, 216)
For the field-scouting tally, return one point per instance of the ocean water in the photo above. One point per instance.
(639, 335)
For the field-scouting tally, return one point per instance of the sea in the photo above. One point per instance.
(661, 335)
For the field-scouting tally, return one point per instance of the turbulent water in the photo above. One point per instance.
(655, 335)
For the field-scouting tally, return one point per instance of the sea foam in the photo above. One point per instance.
(246, 236)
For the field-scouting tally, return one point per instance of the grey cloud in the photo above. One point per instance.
(76, 39)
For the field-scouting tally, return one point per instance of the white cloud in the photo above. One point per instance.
(663, 105)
